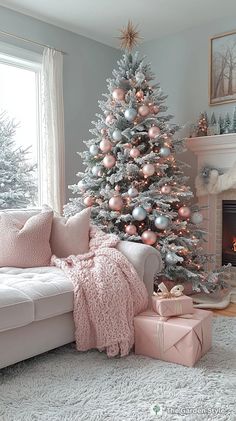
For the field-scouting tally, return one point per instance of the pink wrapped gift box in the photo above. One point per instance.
(182, 340)
(173, 306)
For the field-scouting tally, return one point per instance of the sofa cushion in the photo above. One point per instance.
(25, 244)
(47, 289)
(71, 236)
(16, 308)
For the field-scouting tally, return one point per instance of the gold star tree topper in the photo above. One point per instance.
(129, 37)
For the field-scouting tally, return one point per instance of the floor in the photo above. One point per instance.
(229, 311)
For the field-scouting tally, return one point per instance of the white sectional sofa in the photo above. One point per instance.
(36, 304)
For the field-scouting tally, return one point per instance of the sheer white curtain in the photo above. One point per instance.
(52, 142)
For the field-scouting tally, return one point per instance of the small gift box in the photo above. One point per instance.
(182, 340)
(171, 303)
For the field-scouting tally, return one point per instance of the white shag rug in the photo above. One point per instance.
(65, 385)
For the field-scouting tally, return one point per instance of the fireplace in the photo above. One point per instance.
(229, 232)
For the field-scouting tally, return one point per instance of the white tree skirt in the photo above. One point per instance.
(209, 301)
(65, 385)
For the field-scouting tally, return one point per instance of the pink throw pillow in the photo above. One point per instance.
(25, 244)
(71, 236)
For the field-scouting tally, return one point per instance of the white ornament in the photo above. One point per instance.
(96, 170)
(140, 77)
(130, 114)
(196, 218)
(139, 213)
(164, 152)
(171, 258)
(161, 222)
(94, 149)
(133, 192)
(117, 135)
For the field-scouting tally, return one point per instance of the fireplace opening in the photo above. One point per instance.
(229, 232)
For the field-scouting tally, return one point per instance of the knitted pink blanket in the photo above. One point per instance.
(107, 295)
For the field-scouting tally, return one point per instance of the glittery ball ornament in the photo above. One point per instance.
(116, 135)
(130, 114)
(116, 203)
(96, 169)
(153, 132)
(118, 94)
(148, 170)
(171, 258)
(149, 237)
(196, 218)
(132, 192)
(139, 213)
(161, 222)
(89, 201)
(109, 161)
(134, 153)
(166, 189)
(105, 145)
(94, 149)
(140, 95)
(184, 212)
(110, 119)
(164, 152)
(140, 77)
(143, 110)
(131, 229)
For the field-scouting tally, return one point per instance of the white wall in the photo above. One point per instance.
(180, 62)
(87, 64)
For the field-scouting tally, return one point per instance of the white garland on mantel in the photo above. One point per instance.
(216, 182)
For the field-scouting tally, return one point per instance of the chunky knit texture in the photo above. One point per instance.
(107, 295)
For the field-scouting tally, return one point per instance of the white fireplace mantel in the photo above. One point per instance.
(218, 151)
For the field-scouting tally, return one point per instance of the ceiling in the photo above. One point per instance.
(101, 19)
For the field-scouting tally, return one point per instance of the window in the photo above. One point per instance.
(19, 127)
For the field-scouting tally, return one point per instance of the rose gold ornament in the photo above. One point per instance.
(109, 161)
(110, 119)
(103, 131)
(89, 201)
(117, 188)
(148, 170)
(116, 203)
(153, 132)
(143, 110)
(139, 95)
(131, 229)
(155, 109)
(149, 237)
(166, 189)
(184, 212)
(134, 153)
(105, 145)
(118, 94)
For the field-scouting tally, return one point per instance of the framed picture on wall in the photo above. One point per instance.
(222, 69)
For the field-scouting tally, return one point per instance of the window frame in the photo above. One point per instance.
(29, 60)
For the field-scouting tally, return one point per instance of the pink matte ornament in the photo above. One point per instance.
(110, 119)
(89, 201)
(116, 203)
(118, 94)
(148, 170)
(117, 188)
(184, 212)
(134, 153)
(109, 161)
(166, 189)
(149, 237)
(153, 132)
(105, 145)
(131, 229)
(143, 110)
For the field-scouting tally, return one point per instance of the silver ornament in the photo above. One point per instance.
(133, 192)
(130, 114)
(196, 218)
(94, 149)
(164, 151)
(139, 213)
(161, 222)
(140, 77)
(117, 135)
(96, 170)
(171, 258)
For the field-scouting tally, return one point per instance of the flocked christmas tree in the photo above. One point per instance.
(133, 182)
(17, 175)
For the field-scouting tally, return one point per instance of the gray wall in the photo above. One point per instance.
(87, 64)
(180, 62)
